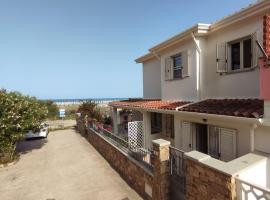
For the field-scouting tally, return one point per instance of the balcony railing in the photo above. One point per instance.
(250, 191)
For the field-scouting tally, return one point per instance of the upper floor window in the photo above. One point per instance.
(176, 66)
(237, 55)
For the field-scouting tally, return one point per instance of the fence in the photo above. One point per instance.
(138, 153)
(249, 191)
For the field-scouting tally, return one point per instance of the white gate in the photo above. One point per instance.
(135, 134)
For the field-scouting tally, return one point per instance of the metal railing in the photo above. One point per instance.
(177, 174)
(144, 156)
(250, 191)
(140, 154)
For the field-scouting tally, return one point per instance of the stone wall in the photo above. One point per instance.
(152, 185)
(132, 173)
(205, 183)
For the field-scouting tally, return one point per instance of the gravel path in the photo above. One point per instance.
(63, 167)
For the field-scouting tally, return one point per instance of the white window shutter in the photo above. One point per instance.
(227, 144)
(186, 136)
(222, 58)
(168, 68)
(254, 50)
(185, 64)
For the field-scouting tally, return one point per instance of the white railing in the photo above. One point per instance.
(250, 191)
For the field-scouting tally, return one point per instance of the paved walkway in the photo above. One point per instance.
(63, 167)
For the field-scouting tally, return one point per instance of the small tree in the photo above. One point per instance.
(18, 114)
(90, 109)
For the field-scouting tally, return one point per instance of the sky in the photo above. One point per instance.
(86, 48)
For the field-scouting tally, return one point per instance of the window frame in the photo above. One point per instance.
(229, 53)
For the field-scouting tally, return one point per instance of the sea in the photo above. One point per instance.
(79, 101)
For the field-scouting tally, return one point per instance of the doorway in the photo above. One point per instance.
(201, 138)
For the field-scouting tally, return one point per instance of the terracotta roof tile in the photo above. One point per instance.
(150, 104)
(250, 108)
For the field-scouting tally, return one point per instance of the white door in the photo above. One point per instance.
(227, 144)
(186, 136)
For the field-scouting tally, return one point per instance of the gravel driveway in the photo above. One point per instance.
(63, 167)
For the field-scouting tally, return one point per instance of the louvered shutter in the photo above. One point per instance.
(227, 144)
(186, 136)
(254, 50)
(222, 58)
(168, 68)
(185, 64)
(213, 141)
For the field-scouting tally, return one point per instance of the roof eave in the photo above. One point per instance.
(199, 28)
(255, 9)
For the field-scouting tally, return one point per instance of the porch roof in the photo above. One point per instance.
(150, 104)
(248, 108)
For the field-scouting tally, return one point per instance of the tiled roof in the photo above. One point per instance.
(150, 104)
(250, 108)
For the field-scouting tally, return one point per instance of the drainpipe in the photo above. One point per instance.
(198, 67)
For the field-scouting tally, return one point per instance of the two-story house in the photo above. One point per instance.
(201, 87)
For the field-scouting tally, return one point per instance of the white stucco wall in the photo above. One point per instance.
(180, 89)
(151, 79)
(212, 84)
(262, 139)
(258, 173)
(236, 85)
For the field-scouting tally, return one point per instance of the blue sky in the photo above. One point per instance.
(86, 48)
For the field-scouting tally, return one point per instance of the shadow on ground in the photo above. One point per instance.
(26, 146)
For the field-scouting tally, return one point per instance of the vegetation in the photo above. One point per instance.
(90, 109)
(53, 111)
(18, 114)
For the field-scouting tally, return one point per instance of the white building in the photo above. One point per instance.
(208, 81)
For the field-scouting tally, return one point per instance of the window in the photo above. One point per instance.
(235, 55)
(240, 54)
(156, 123)
(177, 66)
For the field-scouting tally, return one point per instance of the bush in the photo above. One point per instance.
(53, 111)
(90, 109)
(18, 114)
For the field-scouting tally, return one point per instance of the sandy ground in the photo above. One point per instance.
(54, 124)
(62, 167)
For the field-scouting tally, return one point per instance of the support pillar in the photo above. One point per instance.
(161, 169)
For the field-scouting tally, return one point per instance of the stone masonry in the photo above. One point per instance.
(205, 183)
(136, 175)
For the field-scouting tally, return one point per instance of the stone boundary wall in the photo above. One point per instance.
(204, 183)
(128, 168)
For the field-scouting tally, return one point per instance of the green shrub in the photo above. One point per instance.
(90, 109)
(18, 114)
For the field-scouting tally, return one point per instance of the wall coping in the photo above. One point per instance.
(124, 153)
(161, 142)
(231, 168)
